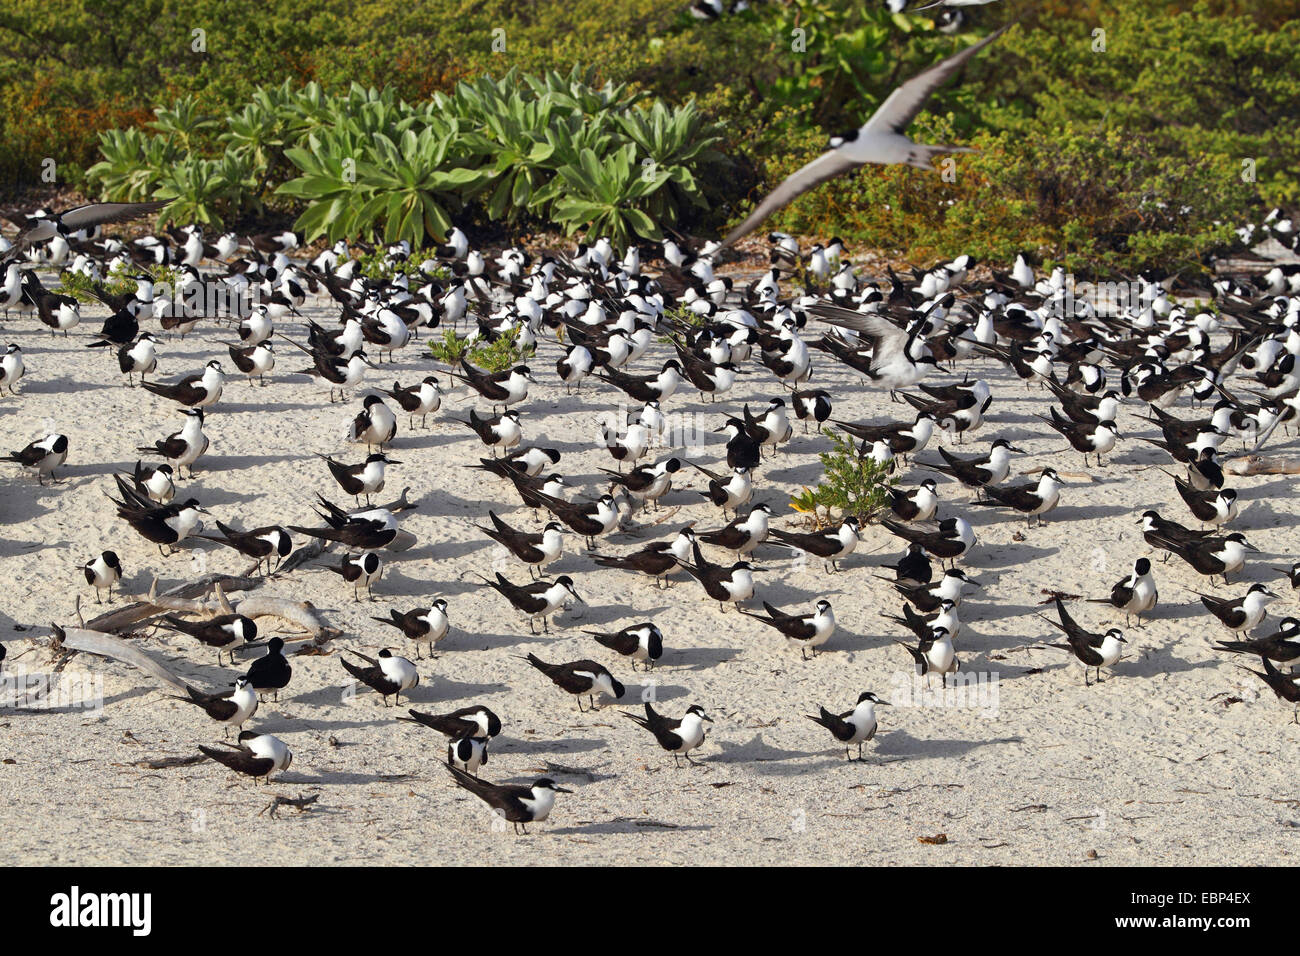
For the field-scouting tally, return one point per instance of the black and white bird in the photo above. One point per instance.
(978, 471)
(1213, 506)
(832, 545)
(591, 519)
(360, 571)
(944, 618)
(742, 535)
(162, 524)
(725, 584)
(467, 753)
(531, 461)
(422, 400)
(338, 373)
(255, 361)
(952, 540)
(1032, 499)
(261, 544)
(42, 456)
(1204, 472)
(928, 597)
(1210, 556)
(374, 426)
(534, 549)
(423, 625)
(102, 573)
(231, 707)
(880, 140)
(658, 559)
(156, 483)
(365, 478)
(183, 448)
(899, 357)
(1282, 646)
(804, 631)
(1092, 649)
(1242, 614)
(1089, 439)
(728, 492)
(367, 529)
(856, 726)
(388, 675)
(138, 358)
(934, 654)
(646, 483)
(811, 405)
(507, 387)
(473, 721)
(539, 599)
(257, 755)
(200, 390)
(584, 678)
(519, 805)
(496, 431)
(1135, 594)
(918, 504)
(678, 737)
(642, 643)
(11, 368)
(743, 451)
(913, 569)
(225, 632)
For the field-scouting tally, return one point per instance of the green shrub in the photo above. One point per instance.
(495, 355)
(851, 484)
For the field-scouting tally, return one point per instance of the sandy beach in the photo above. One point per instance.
(1178, 758)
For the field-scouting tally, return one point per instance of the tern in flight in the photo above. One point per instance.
(880, 140)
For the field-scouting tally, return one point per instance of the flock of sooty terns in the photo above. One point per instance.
(603, 313)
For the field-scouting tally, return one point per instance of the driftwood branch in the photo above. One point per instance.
(302, 613)
(105, 645)
(1255, 465)
(182, 597)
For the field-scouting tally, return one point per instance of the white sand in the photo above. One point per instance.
(1148, 767)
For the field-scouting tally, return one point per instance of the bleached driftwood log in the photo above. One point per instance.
(182, 597)
(1257, 465)
(302, 613)
(105, 645)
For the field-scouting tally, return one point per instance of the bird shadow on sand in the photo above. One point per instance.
(235, 408)
(15, 547)
(562, 745)
(652, 692)
(699, 658)
(597, 618)
(222, 463)
(754, 750)
(439, 689)
(899, 743)
(1158, 660)
(629, 826)
(425, 438)
(340, 777)
(1007, 555)
(807, 474)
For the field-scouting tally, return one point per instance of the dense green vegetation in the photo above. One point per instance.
(615, 116)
